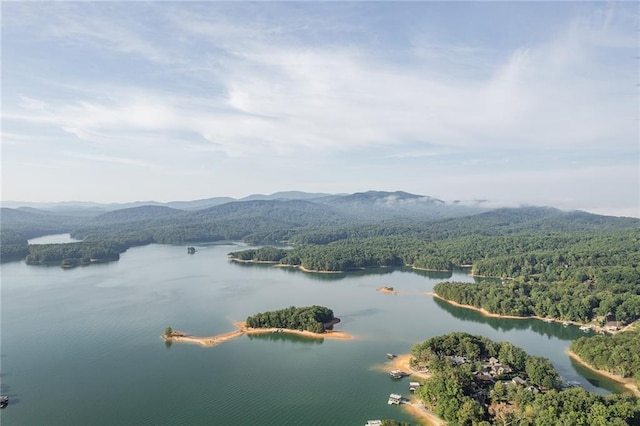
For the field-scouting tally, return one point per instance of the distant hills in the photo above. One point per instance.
(70, 206)
(282, 215)
(381, 200)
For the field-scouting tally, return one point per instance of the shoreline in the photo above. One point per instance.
(629, 384)
(483, 311)
(235, 259)
(243, 329)
(415, 407)
(277, 264)
(486, 313)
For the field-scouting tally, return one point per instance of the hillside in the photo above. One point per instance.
(371, 220)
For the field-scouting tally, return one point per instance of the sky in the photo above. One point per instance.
(513, 102)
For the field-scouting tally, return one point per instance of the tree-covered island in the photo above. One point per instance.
(316, 319)
(475, 381)
(309, 321)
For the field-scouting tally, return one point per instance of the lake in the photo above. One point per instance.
(83, 346)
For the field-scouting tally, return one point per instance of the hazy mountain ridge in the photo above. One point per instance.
(136, 213)
(381, 199)
(279, 218)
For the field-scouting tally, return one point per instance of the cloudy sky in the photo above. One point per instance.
(512, 102)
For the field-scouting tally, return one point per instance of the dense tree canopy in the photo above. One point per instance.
(456, 394)
(311, 318)
(618, 354)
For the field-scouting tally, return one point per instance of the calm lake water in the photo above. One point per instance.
(82, 346)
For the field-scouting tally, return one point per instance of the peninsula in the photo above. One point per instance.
(472, 379)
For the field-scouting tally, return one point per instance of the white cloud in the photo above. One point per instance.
(110, 159)
(251, 89)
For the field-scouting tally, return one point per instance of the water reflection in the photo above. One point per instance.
(552, 329)
(356, 273)
(285, 337)
(595, 379)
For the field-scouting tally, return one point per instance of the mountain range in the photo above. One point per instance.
(362, 199)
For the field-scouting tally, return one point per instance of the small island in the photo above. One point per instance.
(314, 322)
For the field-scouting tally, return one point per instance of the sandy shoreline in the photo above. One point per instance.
(243, 329)
(486, 313)
(628, 383)
(415, 407)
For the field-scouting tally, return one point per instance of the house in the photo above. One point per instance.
(533, 389)
(483, 377)
(519, 381)
(458, 360)
(503, 369)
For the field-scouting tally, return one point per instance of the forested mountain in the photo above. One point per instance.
(18, 225)
(399, 204)
(328, 232)
(132, 214)
(286, 195)
(295, 212)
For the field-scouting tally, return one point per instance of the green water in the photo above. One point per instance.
(82, 346)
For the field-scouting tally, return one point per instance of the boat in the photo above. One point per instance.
(391, 356)
(397, 374)
(4, 401)
(585, 328)
(548, 320)
(565, 324)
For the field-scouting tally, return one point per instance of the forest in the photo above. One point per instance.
(618, 354)
(316, 319)
(529, 393)
(602, 300)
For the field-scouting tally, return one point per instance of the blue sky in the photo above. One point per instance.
(513, 102)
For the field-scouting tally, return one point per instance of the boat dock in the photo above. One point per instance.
(395, 399)
(397, 374)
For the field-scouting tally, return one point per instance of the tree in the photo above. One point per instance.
(168, 331)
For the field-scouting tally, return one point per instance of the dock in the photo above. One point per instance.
(397, 374)
(395, 399)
